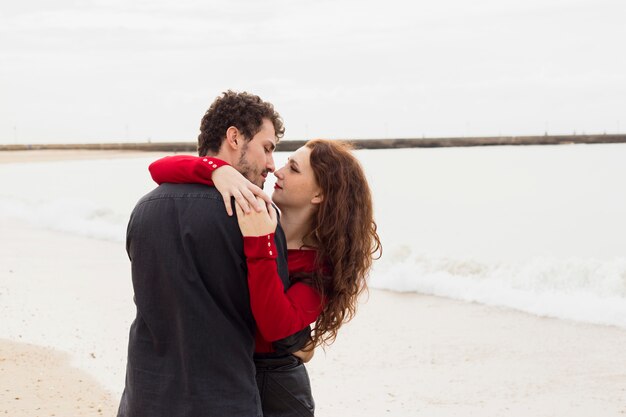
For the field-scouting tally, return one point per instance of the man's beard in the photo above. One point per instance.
(244, 167)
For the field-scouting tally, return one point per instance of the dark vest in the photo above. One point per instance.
(190, 350)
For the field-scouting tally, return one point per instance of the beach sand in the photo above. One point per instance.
(403, 354)
(37, 382)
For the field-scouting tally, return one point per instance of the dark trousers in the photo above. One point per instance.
(284, 387)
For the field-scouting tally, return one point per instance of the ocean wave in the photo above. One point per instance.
(586, 290)
(75, 216)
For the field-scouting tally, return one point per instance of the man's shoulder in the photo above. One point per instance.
(182, 191)
(167, 199)
(194, 207)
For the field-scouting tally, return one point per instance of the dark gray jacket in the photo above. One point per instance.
(191, 344)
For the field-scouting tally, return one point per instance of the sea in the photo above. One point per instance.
(539, 229)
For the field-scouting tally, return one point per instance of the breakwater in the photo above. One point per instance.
(290, 145)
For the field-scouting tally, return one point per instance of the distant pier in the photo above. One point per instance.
(291, 145)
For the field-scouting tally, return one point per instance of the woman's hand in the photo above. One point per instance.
(306, 353)
(257, 223)
(230, 183)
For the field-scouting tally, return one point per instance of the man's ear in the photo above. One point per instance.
(233, 137)
(319, 197)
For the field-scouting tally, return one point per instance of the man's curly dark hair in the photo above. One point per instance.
(242, 110)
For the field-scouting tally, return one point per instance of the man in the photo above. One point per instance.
(191, 344)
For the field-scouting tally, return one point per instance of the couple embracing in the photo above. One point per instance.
(232, 298)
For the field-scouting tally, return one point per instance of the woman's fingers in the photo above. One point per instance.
(239, 210)
(230, 183)
(257, 191)
(246, 199)
(304, 355)
(265, 208)
(239, 198)
(256, 223)
(226, 198)
(252, 200)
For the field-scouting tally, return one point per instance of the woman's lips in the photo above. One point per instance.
(277, 187)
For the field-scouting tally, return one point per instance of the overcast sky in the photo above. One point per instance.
(110, 70)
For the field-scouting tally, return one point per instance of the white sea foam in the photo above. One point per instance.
(77, 216)
(587, 290)
(91, 198)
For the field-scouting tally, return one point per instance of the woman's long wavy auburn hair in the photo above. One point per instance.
(344, 232)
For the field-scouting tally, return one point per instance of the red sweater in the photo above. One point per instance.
(185, 169)
(278, 313)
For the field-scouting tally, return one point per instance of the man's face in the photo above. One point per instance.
(257, 155)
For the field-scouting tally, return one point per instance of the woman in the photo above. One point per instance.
(327, 216)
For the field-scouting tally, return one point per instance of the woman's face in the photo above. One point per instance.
(296, 187)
